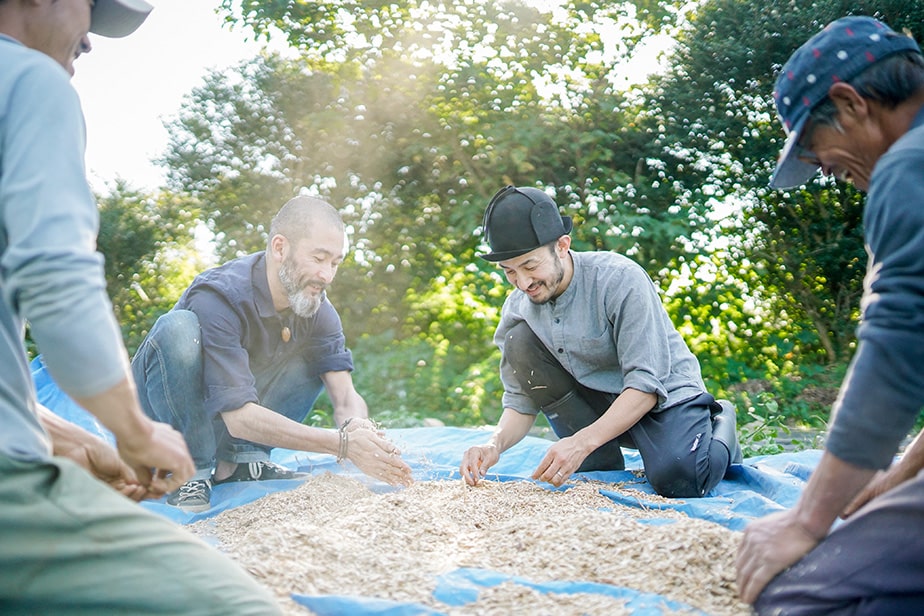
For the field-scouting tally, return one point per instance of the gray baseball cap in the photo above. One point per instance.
(118, 18)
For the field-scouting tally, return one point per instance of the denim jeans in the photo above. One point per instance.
(168, 371)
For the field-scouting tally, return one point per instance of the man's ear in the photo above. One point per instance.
(851, 107)
(563, 244)
(277, 247)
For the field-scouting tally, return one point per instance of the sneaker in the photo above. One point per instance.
(260, 471)
(193, 496)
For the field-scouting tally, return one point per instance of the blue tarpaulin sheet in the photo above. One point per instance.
(759, 486)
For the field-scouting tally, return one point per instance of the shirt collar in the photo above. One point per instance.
(261, 292)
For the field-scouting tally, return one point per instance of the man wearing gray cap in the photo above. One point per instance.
(585, 339)
(70, 543)
(852, 101)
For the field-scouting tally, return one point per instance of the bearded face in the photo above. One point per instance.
(304, 293)
(539, 274)
(548, 288)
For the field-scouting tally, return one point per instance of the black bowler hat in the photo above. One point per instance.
(519, 220)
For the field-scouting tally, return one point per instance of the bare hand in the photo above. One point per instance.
(103, 461)
(363, 423)
(377, 457)
(159, 458)
(770, 545)
(560, 461)
(881, 483)
(476, 461)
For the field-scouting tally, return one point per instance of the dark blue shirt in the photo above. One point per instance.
(883, 392)
(242, 333)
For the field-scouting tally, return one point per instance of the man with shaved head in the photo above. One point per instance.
(238, 363)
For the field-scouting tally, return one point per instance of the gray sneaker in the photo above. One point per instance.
(260, 471)
(193, 496)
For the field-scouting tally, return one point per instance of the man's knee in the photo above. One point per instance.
(521, 345)
(537, 370)
(177, 335)
(674, 478)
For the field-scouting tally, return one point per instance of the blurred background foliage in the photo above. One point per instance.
(409, 114)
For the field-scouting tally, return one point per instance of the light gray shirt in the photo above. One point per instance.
(50, 272)
(609, 330)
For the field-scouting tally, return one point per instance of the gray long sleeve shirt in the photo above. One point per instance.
(50, 272)
(609, 330)
(883, 392)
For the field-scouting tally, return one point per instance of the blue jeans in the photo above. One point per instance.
(168, 372)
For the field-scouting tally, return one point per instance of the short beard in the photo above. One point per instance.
(302, 304)
(559, 276)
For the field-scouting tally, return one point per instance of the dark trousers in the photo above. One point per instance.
(873, 563)
(680, 455)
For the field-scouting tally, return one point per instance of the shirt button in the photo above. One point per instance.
(561, 350)
(558, 320)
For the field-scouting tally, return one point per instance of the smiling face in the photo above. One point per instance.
(849, 148)
(542, 274)
(847, 155)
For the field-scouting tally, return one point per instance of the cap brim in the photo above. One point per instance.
(118, 18)
(791, 171)
(503, 256)
(566, 223)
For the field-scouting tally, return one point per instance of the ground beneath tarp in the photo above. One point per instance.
(759, 486)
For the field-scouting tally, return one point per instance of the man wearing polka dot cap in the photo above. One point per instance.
(837, 54)
(852, 102)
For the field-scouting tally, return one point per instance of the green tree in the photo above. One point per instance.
(799, 253)
(149, 255)
(409, 116)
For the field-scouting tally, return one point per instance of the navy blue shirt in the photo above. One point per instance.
(883, 392)
(242, 332)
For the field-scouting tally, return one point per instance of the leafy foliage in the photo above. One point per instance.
(408, 115)
(150, 258)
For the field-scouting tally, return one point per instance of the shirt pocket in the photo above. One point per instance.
(596, 351)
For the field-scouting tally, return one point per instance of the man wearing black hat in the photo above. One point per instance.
(852, 101)
(585, 339)
(70, 540)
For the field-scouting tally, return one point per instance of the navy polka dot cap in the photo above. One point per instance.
(840, 52)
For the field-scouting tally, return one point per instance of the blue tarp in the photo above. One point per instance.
(759, 486)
